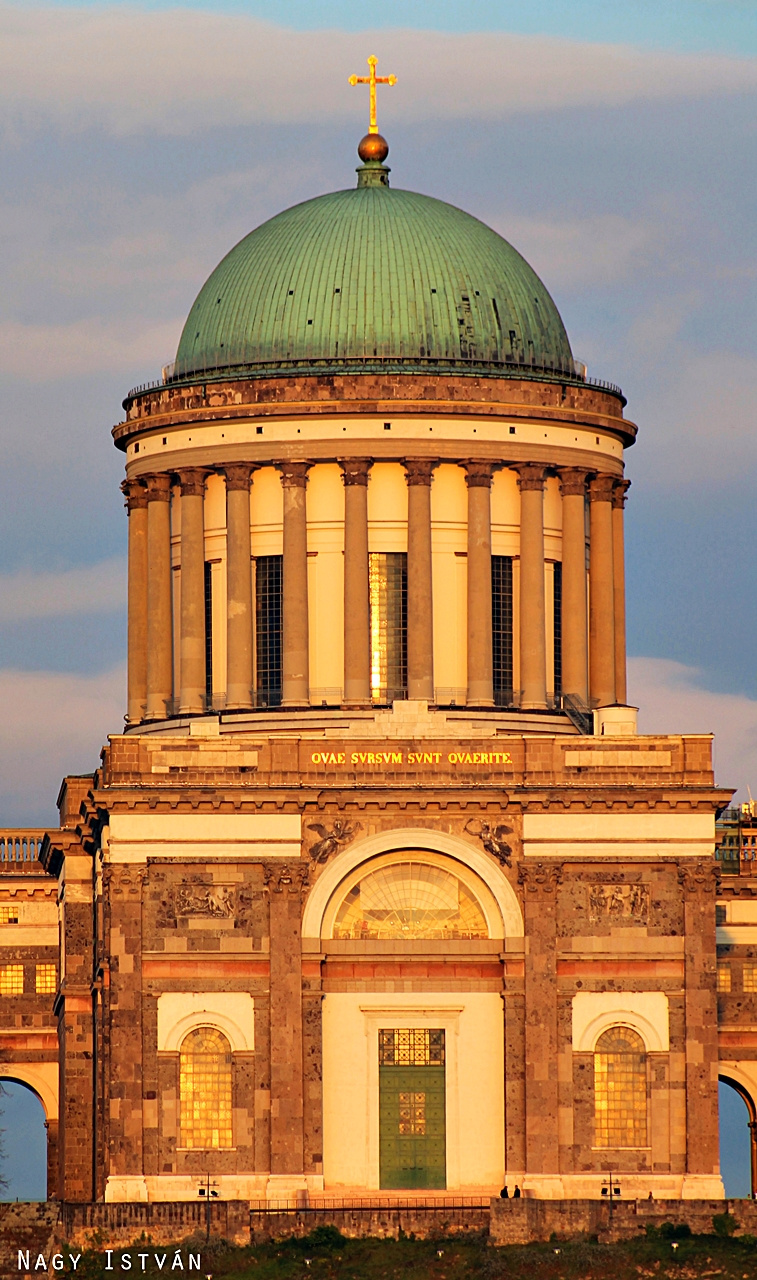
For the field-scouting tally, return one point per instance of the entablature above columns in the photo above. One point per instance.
(206, 445)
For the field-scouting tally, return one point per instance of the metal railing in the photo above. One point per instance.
(323, 1204)
(578, 712)
(264, 368)
(19, 848)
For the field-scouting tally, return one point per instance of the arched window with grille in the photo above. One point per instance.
(205, 1090)
(620, 1089)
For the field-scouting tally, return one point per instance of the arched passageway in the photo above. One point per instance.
(738, 1134)
(24, 1143)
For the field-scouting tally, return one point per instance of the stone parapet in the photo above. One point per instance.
(348, 393)
(526, 1220)
(663, 764)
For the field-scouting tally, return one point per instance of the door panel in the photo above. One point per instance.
(412, 1131)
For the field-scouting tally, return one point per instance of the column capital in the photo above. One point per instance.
(619, 493)
(355, 470)
(601, 488)
(192, 481)
(531, 475)
(135, 493)
(539, 877)
(238, 475)
(294, 475)
(158, 487)
(418, 470)
(478, 474)
(572, 482)
(701, 878)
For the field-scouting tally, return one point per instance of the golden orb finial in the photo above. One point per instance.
(373, 147)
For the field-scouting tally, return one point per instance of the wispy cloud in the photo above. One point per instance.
(602, 249)
(179, 70)
(671, 699)
(91, 589)
(51, 725)
(41, 352)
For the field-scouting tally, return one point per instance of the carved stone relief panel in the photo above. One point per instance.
(625, 904)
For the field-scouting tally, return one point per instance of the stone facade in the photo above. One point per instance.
(210, 864)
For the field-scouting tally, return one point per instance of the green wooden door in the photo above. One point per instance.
(412, 1149)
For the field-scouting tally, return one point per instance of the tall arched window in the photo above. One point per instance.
(205, 1089)
(620, 1089)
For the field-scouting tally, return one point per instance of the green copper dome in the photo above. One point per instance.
(373, 278)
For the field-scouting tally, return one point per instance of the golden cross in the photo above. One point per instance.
(373, 80)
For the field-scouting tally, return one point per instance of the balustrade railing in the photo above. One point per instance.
(19, 850)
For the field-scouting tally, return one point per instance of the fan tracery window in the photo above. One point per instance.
(205, 1089)
(410, 900)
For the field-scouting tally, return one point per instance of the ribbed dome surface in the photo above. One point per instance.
(374, 277)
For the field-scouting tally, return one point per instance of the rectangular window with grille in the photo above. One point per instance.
(208, 634)
(268, 612)
(502, 629)
(45, 980)
(750, 976)
(415, 1047)
(8, 913)
(724, 976)
(387, 577)
(11, 980)
(557, 626)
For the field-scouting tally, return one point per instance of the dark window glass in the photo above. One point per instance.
(502, 629)
(388, 594)
(268, 587)
(557, 625)
(208, 634)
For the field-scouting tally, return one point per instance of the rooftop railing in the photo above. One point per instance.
(19, 850)
(175, 376)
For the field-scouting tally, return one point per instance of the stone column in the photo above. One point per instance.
(601, 594)
(76, 1031)
(295, 679)
(123, 890)
(357, 608)
(698, 888)
(574, 617)
(420, 620)
(192, 621)
(238, 587)
(540, 883)
(136, 505)
(619, 586)
(533, 640)
(478, 477)
(159, 607)
(285, 887)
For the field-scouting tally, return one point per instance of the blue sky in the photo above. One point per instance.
(727, 26)
(614, 144)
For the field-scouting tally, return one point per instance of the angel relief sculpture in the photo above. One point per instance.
(492, 838)
(342, 831)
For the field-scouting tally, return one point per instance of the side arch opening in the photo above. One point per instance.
(29, 1143)
(738, 1138)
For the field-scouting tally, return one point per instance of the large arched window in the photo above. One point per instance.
(205, 1089)
(409, 899)
(620, 1089)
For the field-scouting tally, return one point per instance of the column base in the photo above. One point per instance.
(532, 705)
